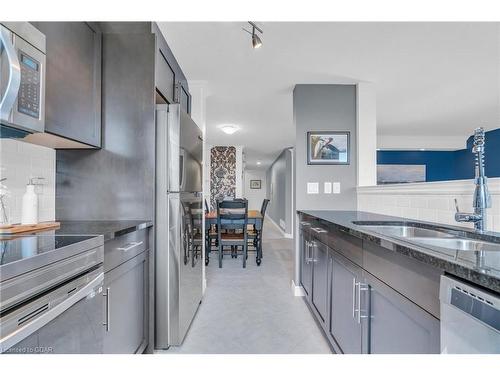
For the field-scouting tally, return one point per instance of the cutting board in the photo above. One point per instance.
(19, 228)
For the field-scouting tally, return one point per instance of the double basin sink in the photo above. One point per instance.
(440, 238)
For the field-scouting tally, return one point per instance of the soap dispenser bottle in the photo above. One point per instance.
(29, 214)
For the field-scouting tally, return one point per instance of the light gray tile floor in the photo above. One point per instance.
(253, 310)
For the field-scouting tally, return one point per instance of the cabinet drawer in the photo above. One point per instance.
(125, 306)
(122, 248)
(349, 246)
(417, 281)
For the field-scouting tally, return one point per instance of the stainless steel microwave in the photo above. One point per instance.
(22, 76)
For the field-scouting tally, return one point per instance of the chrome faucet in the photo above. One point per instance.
(482, 198)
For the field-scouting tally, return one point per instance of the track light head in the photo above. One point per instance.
(256, 42)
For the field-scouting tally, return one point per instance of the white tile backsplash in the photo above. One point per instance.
(432, 201)
(19, 161)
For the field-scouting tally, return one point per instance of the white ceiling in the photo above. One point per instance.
(438, 79)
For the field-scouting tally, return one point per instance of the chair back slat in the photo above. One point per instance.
(232, 214)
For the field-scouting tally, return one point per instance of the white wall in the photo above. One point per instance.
(366, 132)
(429, 201)
(254, 196)
(19, 161)
(239, 172)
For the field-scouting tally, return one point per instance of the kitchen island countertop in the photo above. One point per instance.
(458, 263)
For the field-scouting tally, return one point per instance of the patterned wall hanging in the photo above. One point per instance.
(222, 173)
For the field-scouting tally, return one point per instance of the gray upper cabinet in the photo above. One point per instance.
(171, 83)
(165, 77)
(73, 90)
(184, 98)
(397, 325)
(345, 327)
(320, 263)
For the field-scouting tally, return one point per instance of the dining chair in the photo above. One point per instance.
(232, 220)
(255, 236)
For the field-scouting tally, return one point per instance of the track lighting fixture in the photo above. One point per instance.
(256, 41)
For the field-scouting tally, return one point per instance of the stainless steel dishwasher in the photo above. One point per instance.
(470, 318)
(51, 294)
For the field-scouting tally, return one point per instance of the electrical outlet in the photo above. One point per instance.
(327, 188)
(313, 188)
(336, 188)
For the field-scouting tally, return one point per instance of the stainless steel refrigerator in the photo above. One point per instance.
(179, 216)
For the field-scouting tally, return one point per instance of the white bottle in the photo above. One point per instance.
(29, 213)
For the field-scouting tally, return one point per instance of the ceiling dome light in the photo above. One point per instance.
(229, 129)
(259, 163)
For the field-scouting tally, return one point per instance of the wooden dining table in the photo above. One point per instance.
(254, 218)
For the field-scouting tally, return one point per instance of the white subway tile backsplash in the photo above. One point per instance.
(418, 202)
(403, 201)
(438, 206)
(19, 161)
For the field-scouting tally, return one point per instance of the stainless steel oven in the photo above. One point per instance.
(68, 319)
(51, 294)
(22, 76)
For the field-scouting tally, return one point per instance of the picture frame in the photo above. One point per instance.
(255, 184)
(328, 147)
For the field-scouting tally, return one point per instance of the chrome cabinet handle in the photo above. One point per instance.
(14, 80)
(308, 257)
(305, 223)
(130, 246)
(108, 310)
(353, 297)
(319, 230)
(361, 287)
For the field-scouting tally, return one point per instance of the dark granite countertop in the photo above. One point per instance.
(459, 263)
(107, 228)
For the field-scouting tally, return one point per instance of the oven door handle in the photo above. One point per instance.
(33, 326)
(14, 81)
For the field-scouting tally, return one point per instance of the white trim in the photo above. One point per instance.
(283, 233)
(455, 187)
(297, 290)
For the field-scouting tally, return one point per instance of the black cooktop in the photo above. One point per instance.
(16, 248)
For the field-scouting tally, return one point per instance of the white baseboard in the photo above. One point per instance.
(297, 290)
(283, 233)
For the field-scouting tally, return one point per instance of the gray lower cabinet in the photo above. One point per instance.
(306, 263)
(125, 289)
(359, 312)
(320, 278)
(397, 325)
(345, 325)
(73, 88)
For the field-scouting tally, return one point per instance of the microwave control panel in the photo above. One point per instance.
(28, 99)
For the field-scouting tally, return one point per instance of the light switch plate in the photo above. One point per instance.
(327, 188)
(313, 188)
(336, 188)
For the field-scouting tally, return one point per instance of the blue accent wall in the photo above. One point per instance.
(449, 165)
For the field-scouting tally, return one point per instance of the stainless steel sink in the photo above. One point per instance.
(430, 237)
(457, 243)
(407, 231)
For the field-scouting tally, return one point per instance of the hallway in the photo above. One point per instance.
(253, 310)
